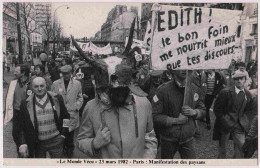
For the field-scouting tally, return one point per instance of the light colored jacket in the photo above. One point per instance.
(130, 139)
(9, 101)
(72, 97)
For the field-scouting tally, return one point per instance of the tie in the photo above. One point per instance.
(240, 98)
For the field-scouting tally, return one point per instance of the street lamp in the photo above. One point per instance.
(54, 25)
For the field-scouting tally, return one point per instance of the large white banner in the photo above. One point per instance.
(83, 46)
(193, 38)
(100, 50)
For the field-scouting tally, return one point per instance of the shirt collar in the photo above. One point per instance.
(41, 101)
(238, 90)
(212, 75)
(179, 84)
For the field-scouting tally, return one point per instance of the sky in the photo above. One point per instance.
(84, 19)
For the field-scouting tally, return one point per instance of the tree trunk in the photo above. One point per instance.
(19, 34)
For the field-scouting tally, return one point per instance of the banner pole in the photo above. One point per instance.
(153, 29)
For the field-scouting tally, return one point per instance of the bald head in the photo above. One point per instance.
(39, 86)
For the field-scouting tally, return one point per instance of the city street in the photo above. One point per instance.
(206, 148)
(103, 56)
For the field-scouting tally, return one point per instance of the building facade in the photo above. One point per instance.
(249, 36)
(10, 33)
(121, 26)
(112, 15)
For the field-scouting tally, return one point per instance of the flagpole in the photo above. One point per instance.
(153, 29)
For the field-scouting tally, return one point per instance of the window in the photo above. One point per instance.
(238, 31)
(254, 29)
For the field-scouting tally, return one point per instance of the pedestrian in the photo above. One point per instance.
(232, 108)
(71, 92)
(175, 119)
(39, 72)
(118, 122)
(43, 58)
(42, 123)
(242, 67)
(4, 61)
(215, 83)
(85, 74)
(18, 89)
(55, 71)
(8, 61)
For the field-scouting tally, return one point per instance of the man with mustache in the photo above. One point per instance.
(118, 122)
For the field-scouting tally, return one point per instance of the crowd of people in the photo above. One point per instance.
(63, 106)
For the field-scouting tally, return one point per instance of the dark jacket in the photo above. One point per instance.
(25, 129)
(219, 83)
(226, 117)
(168, 102)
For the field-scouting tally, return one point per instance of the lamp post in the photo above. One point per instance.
(54, 38)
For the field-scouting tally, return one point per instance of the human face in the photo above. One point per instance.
(57, 63)
(241, 68)
(17, 72)
(240, 82)
(66, 75)
(181, 74)
(37, 71)
(39, 86)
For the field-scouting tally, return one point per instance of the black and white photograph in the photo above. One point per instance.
(130, 83)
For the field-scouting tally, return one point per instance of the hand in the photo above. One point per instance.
(102, 138)
(23, 150)
(182, 119)
(189, 112)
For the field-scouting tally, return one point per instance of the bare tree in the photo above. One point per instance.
(47, 28)
(28, 16)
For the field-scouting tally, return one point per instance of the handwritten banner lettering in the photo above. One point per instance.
(193, 38)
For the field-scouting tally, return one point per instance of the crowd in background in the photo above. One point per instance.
(154, 83)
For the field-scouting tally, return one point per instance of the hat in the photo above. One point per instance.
(81, 63)
(239, 74)
(156, 73)
(58, 59)
(66, 68)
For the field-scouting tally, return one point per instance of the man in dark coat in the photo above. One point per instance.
(32, 134)
(215, 83)
(175, 119)
(232, 108)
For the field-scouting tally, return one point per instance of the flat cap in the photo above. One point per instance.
(58, 59)
(239, 74)
(66, 68)
(81, 63)
(156, 73)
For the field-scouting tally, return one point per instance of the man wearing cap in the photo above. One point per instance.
(118, 122)
(41, 125)
(71, 92)
(175, 119)
(232, 108)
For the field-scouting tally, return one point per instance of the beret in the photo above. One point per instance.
(66, 68)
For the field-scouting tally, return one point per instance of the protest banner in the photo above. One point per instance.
(90, 47)
(100, 50)
(193, 38)
(83, 46)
